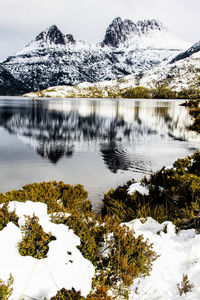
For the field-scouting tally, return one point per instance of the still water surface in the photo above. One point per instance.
(98, 143)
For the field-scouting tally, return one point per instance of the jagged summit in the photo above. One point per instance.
(147, 34)
(54, 58)
(52, 35)
(120, 32)
(192, 50)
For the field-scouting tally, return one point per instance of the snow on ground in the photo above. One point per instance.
(179, 254)
(42, 278)
(139, 188)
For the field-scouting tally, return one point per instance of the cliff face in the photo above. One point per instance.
(54, 58)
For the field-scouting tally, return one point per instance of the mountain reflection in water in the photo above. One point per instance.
(99, 143)
(54, 129)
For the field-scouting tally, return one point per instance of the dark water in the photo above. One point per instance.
(98, 143)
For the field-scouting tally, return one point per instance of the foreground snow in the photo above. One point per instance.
(179, 253)
(42, 278)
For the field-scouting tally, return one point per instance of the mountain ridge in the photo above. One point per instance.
(54, 58)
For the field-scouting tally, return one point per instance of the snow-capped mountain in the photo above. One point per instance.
(180, 76)
(53, 58)
(147, 34)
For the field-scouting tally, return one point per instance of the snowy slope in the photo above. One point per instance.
(183, 74)
(192, 50)
(53, 58)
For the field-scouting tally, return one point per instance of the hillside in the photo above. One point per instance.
(177, 79)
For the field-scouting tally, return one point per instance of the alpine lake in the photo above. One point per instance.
(99, 143)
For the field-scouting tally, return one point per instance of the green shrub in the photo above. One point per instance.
(57, 195)
(100, 294)
(185, 286)
(174, 195)
(136, 93)
(118, 203)
(34, 241)
(6, 289)
(90, 232)
(124, 257)
(194, 111)
(6, 216)
(118, 256)
(68, 295)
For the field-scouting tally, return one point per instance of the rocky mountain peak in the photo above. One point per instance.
(53, 35)
(117, 32)
(70, 39)
(146, 26)
(120, 31)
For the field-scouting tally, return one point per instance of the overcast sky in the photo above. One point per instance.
(22, 20)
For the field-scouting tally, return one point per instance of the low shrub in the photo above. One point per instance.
(100, 294)
(6, 216)
(6, 289)
(185, 286)
(123, 257)
(34, 241)
(194, 111)
(118, 256)
(174, 195)
(57, 195)
(68, 295)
